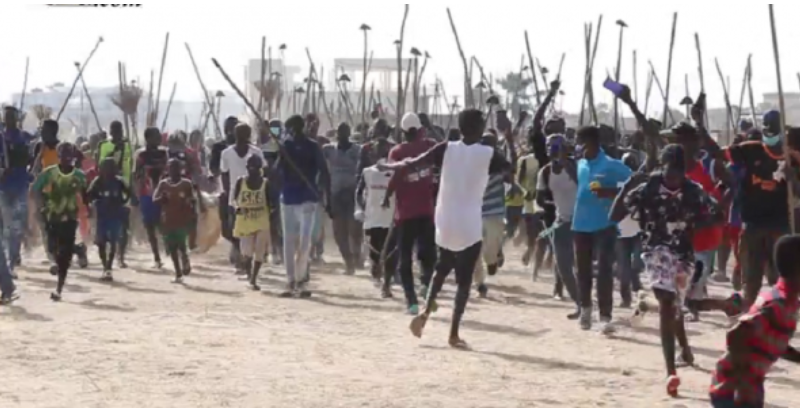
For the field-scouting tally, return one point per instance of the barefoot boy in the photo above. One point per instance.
(176, 197)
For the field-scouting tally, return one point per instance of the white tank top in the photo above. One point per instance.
(459, 208)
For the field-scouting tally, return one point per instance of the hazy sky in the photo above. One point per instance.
(231, 31)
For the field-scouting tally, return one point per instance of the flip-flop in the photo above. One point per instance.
(673, 383)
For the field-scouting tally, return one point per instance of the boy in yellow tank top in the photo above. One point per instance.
(252, 226)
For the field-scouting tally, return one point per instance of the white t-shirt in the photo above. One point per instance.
(375, 216)
(236, 166)
(459, 209)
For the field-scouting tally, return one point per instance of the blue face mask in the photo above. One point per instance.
(275, 131)
(772, 141)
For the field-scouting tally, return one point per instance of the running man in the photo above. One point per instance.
(466, 166)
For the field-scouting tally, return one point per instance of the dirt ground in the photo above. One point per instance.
(144, 342)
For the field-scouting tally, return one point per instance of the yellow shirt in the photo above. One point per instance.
(252, 210)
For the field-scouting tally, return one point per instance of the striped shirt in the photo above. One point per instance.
(772, 321)
(494, 199)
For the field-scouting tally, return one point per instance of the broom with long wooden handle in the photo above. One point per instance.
(787, 155)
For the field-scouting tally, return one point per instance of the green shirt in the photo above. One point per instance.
(60, 192)
(124, 158)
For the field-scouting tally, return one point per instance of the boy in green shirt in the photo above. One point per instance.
(57, 190)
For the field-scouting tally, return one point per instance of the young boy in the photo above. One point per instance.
(378, 222)
(59, 188)
(761, 337)
(176, 196)
(668, 206)
(252, 226)
(110, 194)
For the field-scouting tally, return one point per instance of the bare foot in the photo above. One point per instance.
(458, 343)
(418, 325)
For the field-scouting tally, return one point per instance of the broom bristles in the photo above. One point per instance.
(128, 99)
(42, 112)
(270, 89)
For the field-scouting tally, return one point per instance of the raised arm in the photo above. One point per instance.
(434, 156)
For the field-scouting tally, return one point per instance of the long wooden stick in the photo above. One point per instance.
(750, 91)
(591, 70)
(24, 86)
(617, 74)
(726, 94)
(122, 85)
(363, 96)
(88, 98)
(669, 68)
(208, 98)
(700, 70)
(161, 77)
(533, 70)
(587, 41)
(169, 106)
(661, 90)
(400, 97)
(741, 101)
(410, 67)
(77, 79)
(782, 102)
(262, 86)
(467, 87)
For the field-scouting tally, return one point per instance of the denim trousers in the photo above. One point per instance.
(14, 213)
(563, 241)
(7, 286)
(298, 227)
(629, 266)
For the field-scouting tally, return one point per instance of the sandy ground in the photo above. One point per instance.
(143, 342)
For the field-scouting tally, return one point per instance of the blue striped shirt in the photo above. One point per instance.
(494, 199)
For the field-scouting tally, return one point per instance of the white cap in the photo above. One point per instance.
(410, 120)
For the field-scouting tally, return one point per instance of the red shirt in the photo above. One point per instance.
(708, 238)
(413, 188)
(773, 321)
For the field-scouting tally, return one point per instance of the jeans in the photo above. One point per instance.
(562, 241)
(463, 263)
(377, 239)
(601, 245)
(422, 233)
(629, 252)
(757, 244)
(298, 226)
(14, 211)
(7, 287)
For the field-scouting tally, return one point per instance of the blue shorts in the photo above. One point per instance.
(108, 230)
(151, 212)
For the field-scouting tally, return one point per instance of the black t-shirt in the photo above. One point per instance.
(763, 189)
(668, 218)
(215, 162)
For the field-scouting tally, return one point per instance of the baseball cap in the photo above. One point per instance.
(410, 120)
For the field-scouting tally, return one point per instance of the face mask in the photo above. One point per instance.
(579, 149)
(276, 131)
(772, 141)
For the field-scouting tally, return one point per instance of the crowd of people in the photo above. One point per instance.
(658, 214)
